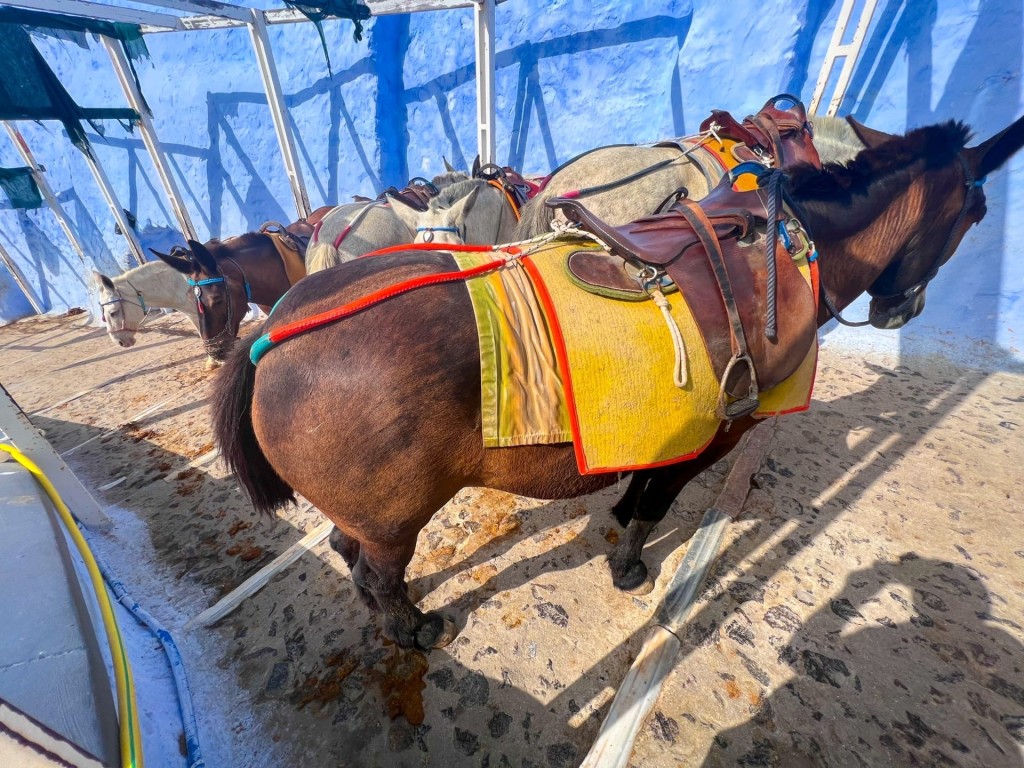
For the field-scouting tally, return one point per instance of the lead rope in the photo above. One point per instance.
(680, 375)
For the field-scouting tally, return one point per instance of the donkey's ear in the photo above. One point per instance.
(103, 281)
(461, 207)
(476, 167)
(405, 212)
(204, 258)
(447, 166)
(991, 154)
(174, 261)
(869, 137)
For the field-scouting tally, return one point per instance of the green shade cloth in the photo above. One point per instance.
(30, 90)
(324, 9)
(20, 187)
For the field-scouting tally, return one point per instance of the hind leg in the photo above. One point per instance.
(381, 571)
(348, 548)
(652, 502)
(625, 508)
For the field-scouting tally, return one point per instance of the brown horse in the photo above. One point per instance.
(377, 419)
(227, 275)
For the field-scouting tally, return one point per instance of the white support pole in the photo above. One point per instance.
(45, 190)
(483, 16)
(115, 207)
(149, 137)
(272, 85)
(848, 52)
(19, 278)
(100, 11)
(27, 439)
(642, 685)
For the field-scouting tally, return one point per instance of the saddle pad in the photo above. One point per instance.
(294, 267)
(522, 397)
(614, 361)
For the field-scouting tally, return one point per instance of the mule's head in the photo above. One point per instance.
(122, 310)
(220, 300)
(952, 202)
(444, 221)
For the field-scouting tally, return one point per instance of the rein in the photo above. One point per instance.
(911, 293)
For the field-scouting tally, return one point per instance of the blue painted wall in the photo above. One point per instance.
(571, 74)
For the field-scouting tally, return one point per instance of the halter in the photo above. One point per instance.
(429, 237)
(211, 344)
(141, 304)
(910, 294)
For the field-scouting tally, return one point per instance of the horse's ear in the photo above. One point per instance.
(405, 212)
(991, 154)
(476, 167)
(175, 262)
(203, 257)
(103, 281)
(461, 207)
(447, 166)
(869, 137)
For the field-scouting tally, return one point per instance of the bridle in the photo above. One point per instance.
(973, 186)
(429, 237)
(213, 343)
(141, 304)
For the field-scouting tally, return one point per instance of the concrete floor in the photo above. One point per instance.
(866, 609)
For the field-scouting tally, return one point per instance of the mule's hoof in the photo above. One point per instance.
(212, 364)
(637, 581)
(645, 588)
(436, 632)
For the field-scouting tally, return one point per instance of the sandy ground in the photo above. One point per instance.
(866, 609)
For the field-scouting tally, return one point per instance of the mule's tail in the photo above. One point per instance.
(233, 431)
(320, 256)
(535, 218)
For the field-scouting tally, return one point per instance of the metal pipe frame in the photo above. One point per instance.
(149, 137)
(45, 190)
(483, 17)
(847, 51)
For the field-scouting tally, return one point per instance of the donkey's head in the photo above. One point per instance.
(899, 210)
(220, 299)
(122, 309)
(445, 220)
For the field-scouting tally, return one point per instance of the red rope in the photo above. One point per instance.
(300, 326)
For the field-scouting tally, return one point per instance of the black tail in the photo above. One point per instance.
(232, 429)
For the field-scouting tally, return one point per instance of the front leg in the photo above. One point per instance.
(659, 490)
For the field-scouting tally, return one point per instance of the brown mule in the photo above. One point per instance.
(228, 275)
(376, 418)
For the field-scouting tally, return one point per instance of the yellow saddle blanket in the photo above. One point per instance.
(559, 364)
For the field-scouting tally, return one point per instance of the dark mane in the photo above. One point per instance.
(935, 145)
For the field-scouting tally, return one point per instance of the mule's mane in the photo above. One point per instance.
(935, 145)
(447, 179)
(455, 192)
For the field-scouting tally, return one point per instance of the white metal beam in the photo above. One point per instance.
(45, 190)
(19, 278)
(275, 99)
(30, 441)
(115, 207)
(290, 16)
(163, 21)
(483, 16)
(206, 7)
(838, 50)
(149, 137)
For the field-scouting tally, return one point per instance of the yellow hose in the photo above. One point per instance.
(128, 717)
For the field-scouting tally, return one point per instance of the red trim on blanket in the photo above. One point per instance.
(563, 363)
(307, 324)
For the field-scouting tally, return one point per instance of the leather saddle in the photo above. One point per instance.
(780, 133)
(296, 235)
(416, 194)
(715, 251)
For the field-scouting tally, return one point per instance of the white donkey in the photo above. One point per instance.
(125, 300)
(472, 211)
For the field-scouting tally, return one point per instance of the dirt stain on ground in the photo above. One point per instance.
(401, 685)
